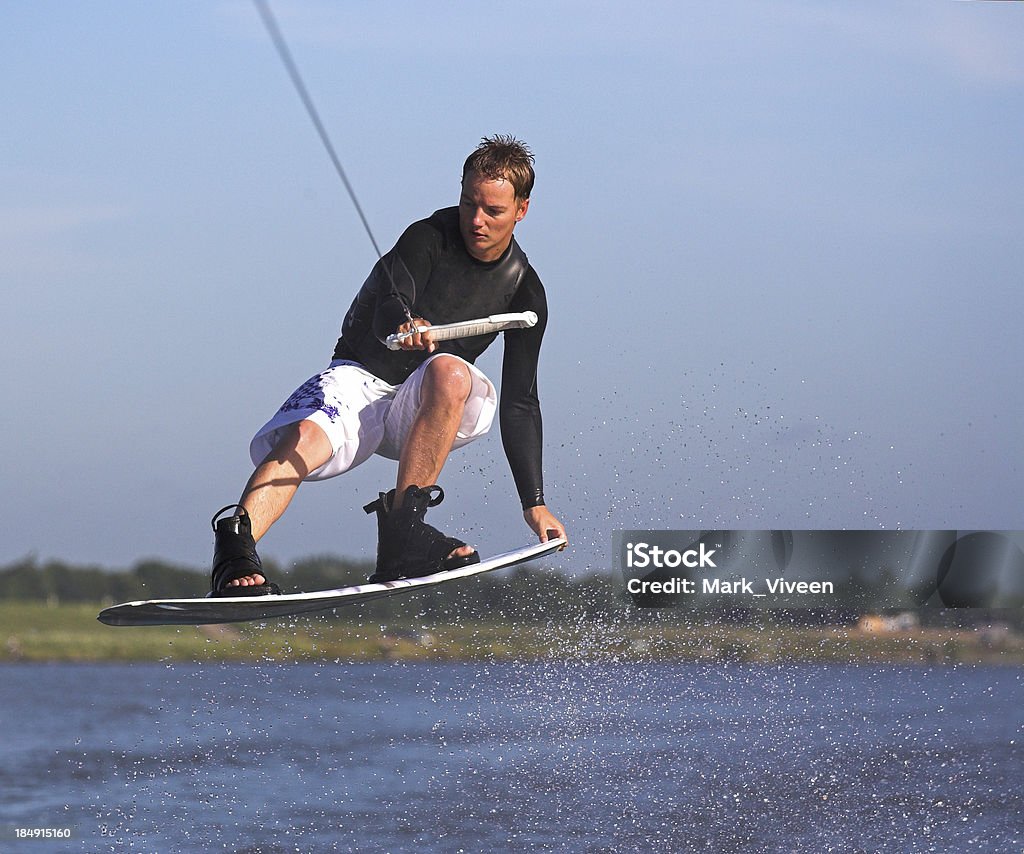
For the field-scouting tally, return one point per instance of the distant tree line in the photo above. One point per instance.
(525, 593)
(528, 593)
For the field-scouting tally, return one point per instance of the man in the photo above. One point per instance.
(418, 403)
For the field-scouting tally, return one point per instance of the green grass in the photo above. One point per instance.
(34, 631)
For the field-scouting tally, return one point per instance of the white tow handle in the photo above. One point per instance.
(468, 328)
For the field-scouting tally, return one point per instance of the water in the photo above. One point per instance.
(513, 757)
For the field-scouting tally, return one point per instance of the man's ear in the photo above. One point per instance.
(523, 206)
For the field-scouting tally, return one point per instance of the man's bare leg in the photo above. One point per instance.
(446, 387)
(303, 448)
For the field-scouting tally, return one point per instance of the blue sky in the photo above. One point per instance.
(781, 243)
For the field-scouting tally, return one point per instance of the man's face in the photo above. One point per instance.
(488, 212)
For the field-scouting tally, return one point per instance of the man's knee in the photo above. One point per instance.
(447, 379)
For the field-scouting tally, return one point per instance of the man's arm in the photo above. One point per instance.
(519, 410)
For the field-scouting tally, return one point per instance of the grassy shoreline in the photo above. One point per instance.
(37, 632)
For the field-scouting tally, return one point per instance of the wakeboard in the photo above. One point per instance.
(238, 609)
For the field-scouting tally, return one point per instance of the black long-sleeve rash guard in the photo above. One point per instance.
(434, 277)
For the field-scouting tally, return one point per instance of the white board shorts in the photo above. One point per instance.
(362, 415)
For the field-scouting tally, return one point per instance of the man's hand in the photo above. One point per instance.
(544, 523)
(418, 341)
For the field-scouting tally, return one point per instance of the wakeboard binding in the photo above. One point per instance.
(407, 547)
(234, 556)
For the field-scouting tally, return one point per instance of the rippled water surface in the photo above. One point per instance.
(560, 756)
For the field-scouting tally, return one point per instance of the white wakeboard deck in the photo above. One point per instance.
(237, 609)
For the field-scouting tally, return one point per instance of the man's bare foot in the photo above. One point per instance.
(247, 581)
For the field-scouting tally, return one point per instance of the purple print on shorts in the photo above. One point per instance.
(310, 395)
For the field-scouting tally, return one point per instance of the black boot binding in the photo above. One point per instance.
(407, 547)
(234, 556)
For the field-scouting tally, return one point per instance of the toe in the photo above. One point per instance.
(247, 581)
